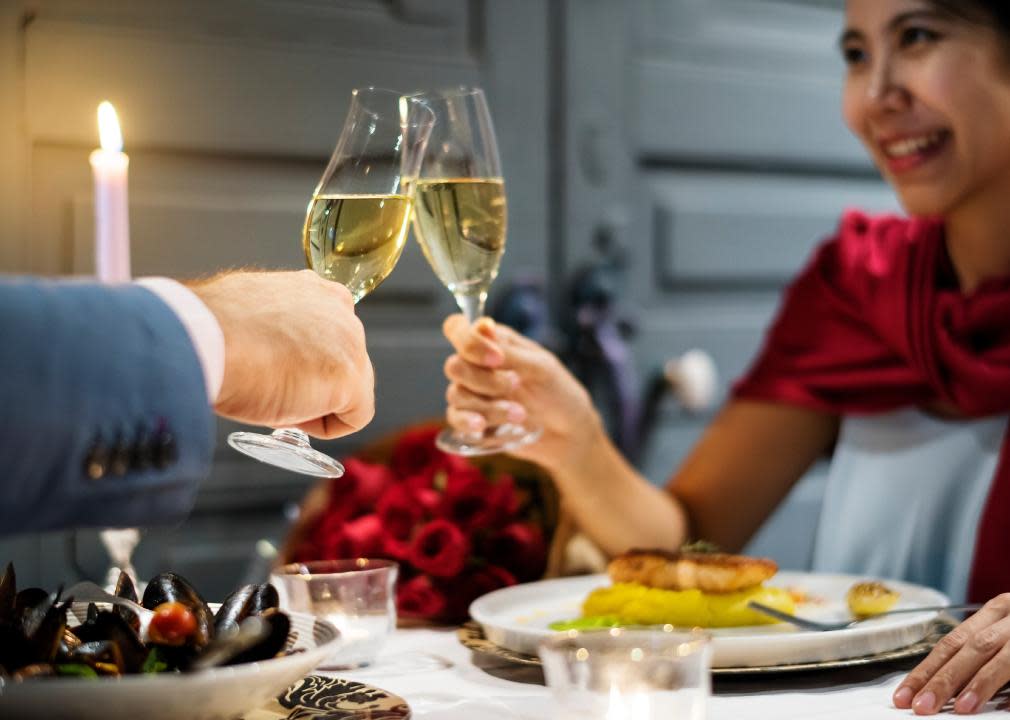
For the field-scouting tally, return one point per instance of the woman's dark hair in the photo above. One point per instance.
(985, 12)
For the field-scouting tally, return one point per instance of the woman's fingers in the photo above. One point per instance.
(479, 379)
(956, 659)
(493, 411)
(476, 343)
(986, 683)
(976, 652)
(465, 422)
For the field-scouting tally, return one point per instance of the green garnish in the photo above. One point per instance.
(587, 623)
(75, 670)
(700, 546)
(154, 663)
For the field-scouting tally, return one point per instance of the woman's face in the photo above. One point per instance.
(929, 96)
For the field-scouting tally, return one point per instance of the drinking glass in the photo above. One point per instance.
(459, 221)
(623, 674)
(357, 596)
(355, 229)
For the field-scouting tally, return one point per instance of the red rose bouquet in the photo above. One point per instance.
(457, 529)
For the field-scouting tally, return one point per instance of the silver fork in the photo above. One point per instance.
(842, 625)
(88, 592)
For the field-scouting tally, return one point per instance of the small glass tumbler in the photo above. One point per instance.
(357, 596)
(625, 674)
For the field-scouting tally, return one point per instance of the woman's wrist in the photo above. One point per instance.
(584, 452)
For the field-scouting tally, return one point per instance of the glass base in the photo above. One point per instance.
(496, 440)
(286, 448)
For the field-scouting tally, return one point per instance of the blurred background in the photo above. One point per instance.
(669, 164)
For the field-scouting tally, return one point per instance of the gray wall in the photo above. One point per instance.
(702, 136)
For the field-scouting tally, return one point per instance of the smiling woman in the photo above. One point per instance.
(891, 351)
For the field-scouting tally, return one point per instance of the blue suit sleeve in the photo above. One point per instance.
(107, 421)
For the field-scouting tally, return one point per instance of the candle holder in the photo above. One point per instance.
(627, 674)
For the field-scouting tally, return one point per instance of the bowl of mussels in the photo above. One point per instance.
(164, 653)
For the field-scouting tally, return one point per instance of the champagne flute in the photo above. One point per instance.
(355, 229)
(459, 221)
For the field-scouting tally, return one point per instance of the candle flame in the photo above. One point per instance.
(108, 127)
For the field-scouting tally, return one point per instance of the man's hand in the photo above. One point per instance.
(295, 352)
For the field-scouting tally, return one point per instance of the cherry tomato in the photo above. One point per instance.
(173, 623)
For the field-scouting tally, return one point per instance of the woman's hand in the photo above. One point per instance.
(972, 662)
(498, 376)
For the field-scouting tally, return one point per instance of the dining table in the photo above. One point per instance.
(440, 679)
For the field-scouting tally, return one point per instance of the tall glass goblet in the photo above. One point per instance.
(459, 221)
(355, 229)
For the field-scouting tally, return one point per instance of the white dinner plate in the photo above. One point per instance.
(517, 618)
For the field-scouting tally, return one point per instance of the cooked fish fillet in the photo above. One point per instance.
(708, 572)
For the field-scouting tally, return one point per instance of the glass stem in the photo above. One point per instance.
(472, 304)
(293, 436)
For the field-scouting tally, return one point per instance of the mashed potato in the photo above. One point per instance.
(635, 604)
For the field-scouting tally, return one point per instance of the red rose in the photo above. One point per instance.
(464, 590)
(340, 504)
(362, 537)
(520, 547)
(418, 597)
(328, 536)
(439, 548)
(360, 487)
(422, 487)
(415, 450)
(466, 500)
(471, 501)
(399, 511)
(504, 498)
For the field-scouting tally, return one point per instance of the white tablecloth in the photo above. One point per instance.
(442, 680)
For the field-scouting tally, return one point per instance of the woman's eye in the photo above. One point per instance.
(853, 55)
(916, 36)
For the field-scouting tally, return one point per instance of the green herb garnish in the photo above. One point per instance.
(75, 670)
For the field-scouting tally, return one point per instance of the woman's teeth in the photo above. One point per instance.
(910, 146)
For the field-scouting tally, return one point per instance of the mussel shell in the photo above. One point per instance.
(105, 652)
(235, 608)
(43, 629)
(266, 598)
(276, 640)
(247, 601)
(126, 589)
(109, 626)
(169, 587)
(27, 599)
(14, 650)
(257, 637)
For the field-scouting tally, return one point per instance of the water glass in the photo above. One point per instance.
(357, 596)
(624, 674)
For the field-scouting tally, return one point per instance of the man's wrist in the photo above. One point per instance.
(201, 325)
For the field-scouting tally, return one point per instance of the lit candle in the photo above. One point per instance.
(112, 218)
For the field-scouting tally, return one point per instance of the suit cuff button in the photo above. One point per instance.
(96, 464)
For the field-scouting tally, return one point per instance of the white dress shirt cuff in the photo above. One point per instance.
(201, 325)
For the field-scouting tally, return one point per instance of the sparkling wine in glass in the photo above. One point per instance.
(355, 229)
(460, 219)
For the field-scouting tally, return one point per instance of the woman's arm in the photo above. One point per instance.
(744, 464)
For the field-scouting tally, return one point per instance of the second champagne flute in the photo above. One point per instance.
(459, 221)
(355, 229)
